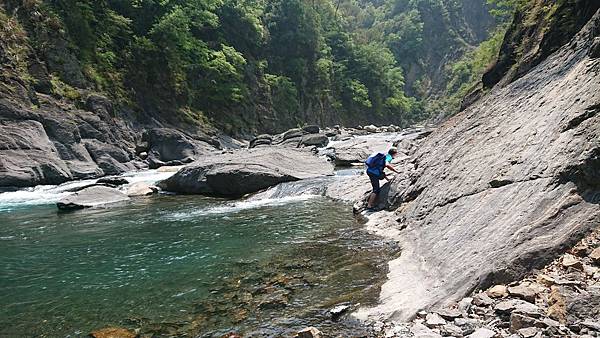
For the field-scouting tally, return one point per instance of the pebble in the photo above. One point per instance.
(570, 261)
(497, 291)
(433, 319)
(482, 333)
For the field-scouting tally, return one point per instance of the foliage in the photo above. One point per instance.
(308, 61)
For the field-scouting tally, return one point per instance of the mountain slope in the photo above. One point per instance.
(501, 188)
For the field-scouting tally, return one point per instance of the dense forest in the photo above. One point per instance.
(258, 65)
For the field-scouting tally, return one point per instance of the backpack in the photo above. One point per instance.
(375, 164)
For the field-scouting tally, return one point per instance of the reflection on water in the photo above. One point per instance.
(189, 266)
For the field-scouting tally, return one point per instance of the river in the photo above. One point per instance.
(184, 265)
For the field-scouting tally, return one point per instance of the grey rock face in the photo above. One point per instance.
(540, 135)
(166, 146)
(244, 171)
(92, 197)
(27, 157)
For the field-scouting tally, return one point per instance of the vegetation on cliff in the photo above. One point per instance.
(255, 64)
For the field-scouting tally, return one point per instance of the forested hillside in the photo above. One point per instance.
(254, 65)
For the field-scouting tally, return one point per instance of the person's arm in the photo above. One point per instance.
(389, 166)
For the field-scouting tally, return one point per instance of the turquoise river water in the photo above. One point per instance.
(184, 266)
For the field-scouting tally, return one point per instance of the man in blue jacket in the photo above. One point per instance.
(375, 170)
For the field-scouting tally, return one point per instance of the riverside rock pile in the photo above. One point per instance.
(561, 300)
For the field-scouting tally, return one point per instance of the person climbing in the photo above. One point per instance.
(376, 165)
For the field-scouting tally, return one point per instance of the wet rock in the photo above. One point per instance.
(141, 189)
(338, 311)
(91, 197)
(309, 332)
(433, 320)
(570, 261)
(524, 292)
(115, 181)
(482, 333)
(246, 170)
(113, 332)
(497, 291)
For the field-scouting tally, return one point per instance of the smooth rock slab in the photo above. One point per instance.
(92, 197)
(245, 171)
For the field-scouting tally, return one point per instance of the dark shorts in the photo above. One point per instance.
(374, 183)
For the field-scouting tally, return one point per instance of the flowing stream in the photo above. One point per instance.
(174, 265)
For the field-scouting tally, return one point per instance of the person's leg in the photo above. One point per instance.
(373, 197)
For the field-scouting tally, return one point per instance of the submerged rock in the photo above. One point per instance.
(245, 171)
(91, 197)
(113, 332)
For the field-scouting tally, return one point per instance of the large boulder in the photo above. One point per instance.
(93, 196)
(318, 140)
(167, 146)
(244, 171)
(501, 188)
(27, 157)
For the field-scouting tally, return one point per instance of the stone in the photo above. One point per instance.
(139, 189)
(318, 140)
(311, 129)
(570, 261)
(482, 299)
(309, 332)
(451, 330)
(528, 309)
(591, 324)
(583, 305)
(580, 250)
(467, 325)
(558, 308)
(465, 304)
(433, 320)
(482, 333)
(116, 181)
(497, 291)
(459, 234)
(339, 310)
(545, 280)
(94, 196)
(528, 332)
(292, 134)
(595, 256)
(371, 129)
(522, 291)
(422, 331)
(113, 332)
(449, 314)
(246, 171)
(519, 321)
(167, 145)
(28, 157)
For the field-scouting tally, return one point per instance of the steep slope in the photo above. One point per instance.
(501, 188)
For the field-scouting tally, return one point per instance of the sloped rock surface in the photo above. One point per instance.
(92, 197)
(501, 188)
(28, 157)
(167, 146)
(247, 170)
